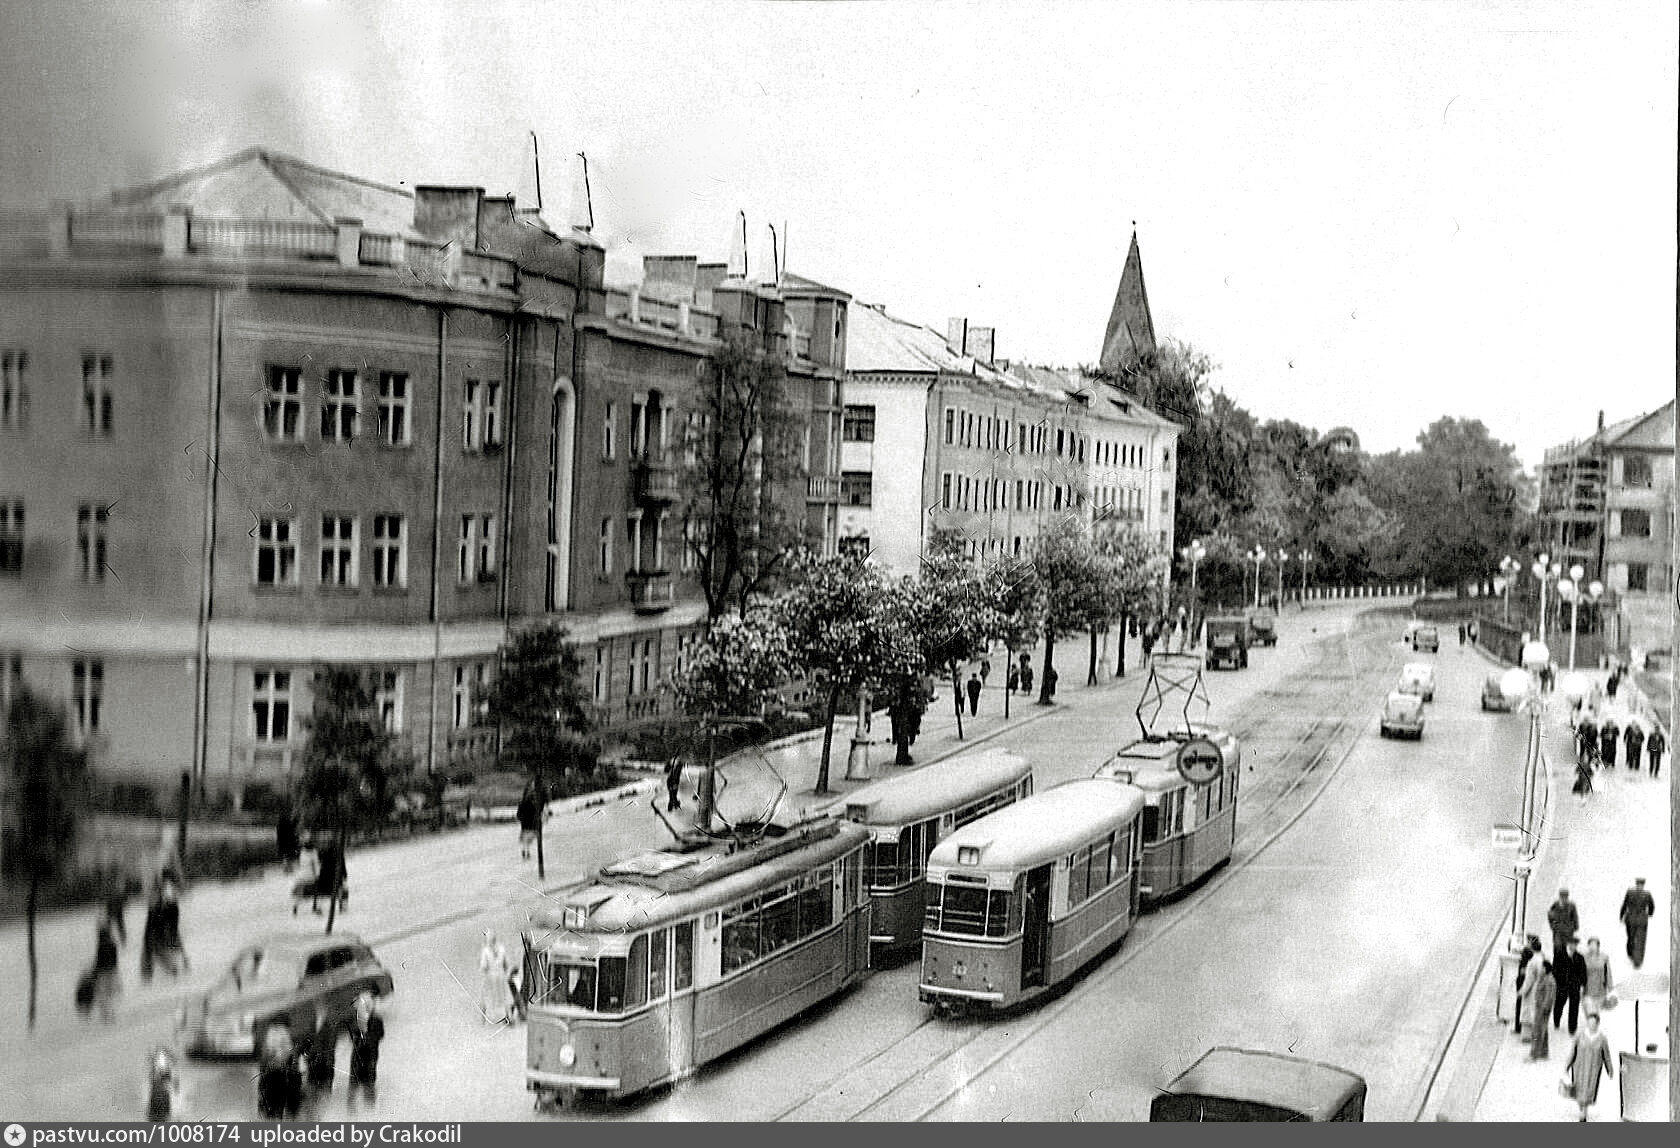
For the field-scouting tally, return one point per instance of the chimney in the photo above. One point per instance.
(956, 335)
(670, 278)
(347, 240)
(767, 273)
(979, 343)
(448, 214)
(580, 206)
(1601, 421)
(738, 248)
(706, 277)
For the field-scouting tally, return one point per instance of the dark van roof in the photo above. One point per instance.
(1315, 1090)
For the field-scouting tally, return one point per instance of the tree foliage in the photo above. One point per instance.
(541, 706)
(46, 781)
(952, 615)
(736, 667)
(742, 476)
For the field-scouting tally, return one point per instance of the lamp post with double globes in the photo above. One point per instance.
(1306, 556)
(1542, 568)
(1194, 553)
(1572, 591)
(1523, 683)
(1259, 556)
(1509, 567)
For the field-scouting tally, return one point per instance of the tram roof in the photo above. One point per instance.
(934, 789)
(1044, 826)
(648, 889)
(1309, 1087)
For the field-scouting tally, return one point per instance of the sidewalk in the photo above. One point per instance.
(1594, 847)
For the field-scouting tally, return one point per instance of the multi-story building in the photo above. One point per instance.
(261, 416)
(1607, 504)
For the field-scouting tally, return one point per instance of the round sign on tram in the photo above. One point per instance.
(1200, 762)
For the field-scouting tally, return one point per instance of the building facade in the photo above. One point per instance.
(261, 416)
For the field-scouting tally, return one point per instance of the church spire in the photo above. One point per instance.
(1130, 326)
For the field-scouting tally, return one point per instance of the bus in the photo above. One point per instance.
(1023, 899)
(908, 815)
(675, 957)
(1189, 827)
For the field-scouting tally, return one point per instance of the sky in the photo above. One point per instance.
(1367, 214)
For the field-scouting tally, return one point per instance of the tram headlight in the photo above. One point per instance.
(568, 1055)
(959, 970)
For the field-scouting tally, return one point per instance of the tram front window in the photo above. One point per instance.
(1151, 823)
(971, 911)
(571, 983)
(883, 865)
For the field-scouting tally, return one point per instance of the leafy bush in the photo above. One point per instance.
(263, 800)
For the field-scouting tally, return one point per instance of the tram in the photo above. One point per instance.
(1189, 827)
(675, 957)
(1023, 899)
(908, 815)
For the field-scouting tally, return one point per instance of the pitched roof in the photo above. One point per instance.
(260, 184)
(1654, 430)
(1129, 323)
(790, 281)
(877, 341)
(1101, 400)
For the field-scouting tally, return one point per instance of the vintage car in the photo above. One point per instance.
(1239, 1084)
(1493, 697)
(1402, 715)
(292, 981)
(1418, 678)
(1227, 643)
(1262, 627)
(1425, 639)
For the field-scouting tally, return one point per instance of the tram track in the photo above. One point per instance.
(1298, 763)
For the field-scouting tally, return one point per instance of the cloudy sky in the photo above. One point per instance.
(1368, 214)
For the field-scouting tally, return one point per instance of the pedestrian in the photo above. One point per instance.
(1026, 674)
(1583, 778)
(102, 982)
(116, 907)
(673, 783)
(1571, 974)
(1475, 632)
(1613, 682)
(1565, 921)
(1608, 736)
(334, 874)
(1050, 679)
(973, 694)
(308, 883)
(286, 839)
(1599, 979)
(1527, 973)
(1589, 1062)
(529, 815)
(1013, 681)
(366, 1031)
(985, 670)
(1654, 746)
(1586, 739)
(1633, 741)
(162, 1087)
(1462, 633)
(161, 944)
(1545, 997)
(494, 1001)
(1637, 910)
(321, 1054)
(279, 1082)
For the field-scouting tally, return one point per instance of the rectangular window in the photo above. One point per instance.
(633, 548)
(945, 491)
(609, 431)
(1164, 498)
(339, 406)
(606, 546)
(486, 547)
(476, 552)
(1638, 576)
(857, 488)
(87, 693)
(1636, 470)
(11, 535)
(338, 551)
(282, 405)
(461, 699)
(657, 982)
(1058, 441)
(393, 408)
(600, 675)
(472, 400)
(682, 955)
(14, 388)
(388, 699)
(950, 426)
(271, 705)
(859, 424)
(638, 427)
(492, 413)
(91, 521)
(1636, 524)
(390, 551)
(276, 552)
(96, 395)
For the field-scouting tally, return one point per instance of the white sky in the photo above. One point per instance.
(1368, 214)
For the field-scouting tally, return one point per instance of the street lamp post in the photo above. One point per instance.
(1306, 556)
(1540, 569)
(1509, 567)
(1195, 552)
(1282, 557)
(1572, 591)
(1524, 683)
(1259, 557)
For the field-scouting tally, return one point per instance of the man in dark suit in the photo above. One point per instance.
(1637, 908)
(1565, 922)
(1571, 974)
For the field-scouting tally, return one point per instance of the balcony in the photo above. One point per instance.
(656, 481)
(652, 590)
(822, 488)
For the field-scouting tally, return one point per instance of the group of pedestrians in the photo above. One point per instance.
(290, 1073)
(1599, 740)
(161, 946)
(1576, 986)
(501, 986)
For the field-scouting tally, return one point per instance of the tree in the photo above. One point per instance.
(349, 763)
(840, 618)
(952, 614)
(47, 776)
(1070, 578)
(1169, 377)
(741, 460)
(539, 703)
(730, 674)
(1133, 585)
(1018, 602)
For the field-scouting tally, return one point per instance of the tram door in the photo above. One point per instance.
(681, 1034)
(1035, 927)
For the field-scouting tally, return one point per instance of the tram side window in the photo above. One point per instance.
(1204, 804)
(610, 998)
(882, 863)
(636, 981)
(682, 955)
(816, 902)
(1079, 889)
(1151, 823)
(1102, 863)
(779, 923)
(740, 936)
(656, 965)
(1172, 809)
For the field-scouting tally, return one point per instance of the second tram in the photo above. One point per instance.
(1023, 899)
(1188, 828)
(908, 815)
(675, 957)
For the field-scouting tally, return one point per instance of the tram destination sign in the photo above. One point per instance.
(1200, 762)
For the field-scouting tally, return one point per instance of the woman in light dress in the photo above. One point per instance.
(1589, 1062)
(495, 999)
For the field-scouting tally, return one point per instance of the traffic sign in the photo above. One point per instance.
(1507, 837)
(1200, 761)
